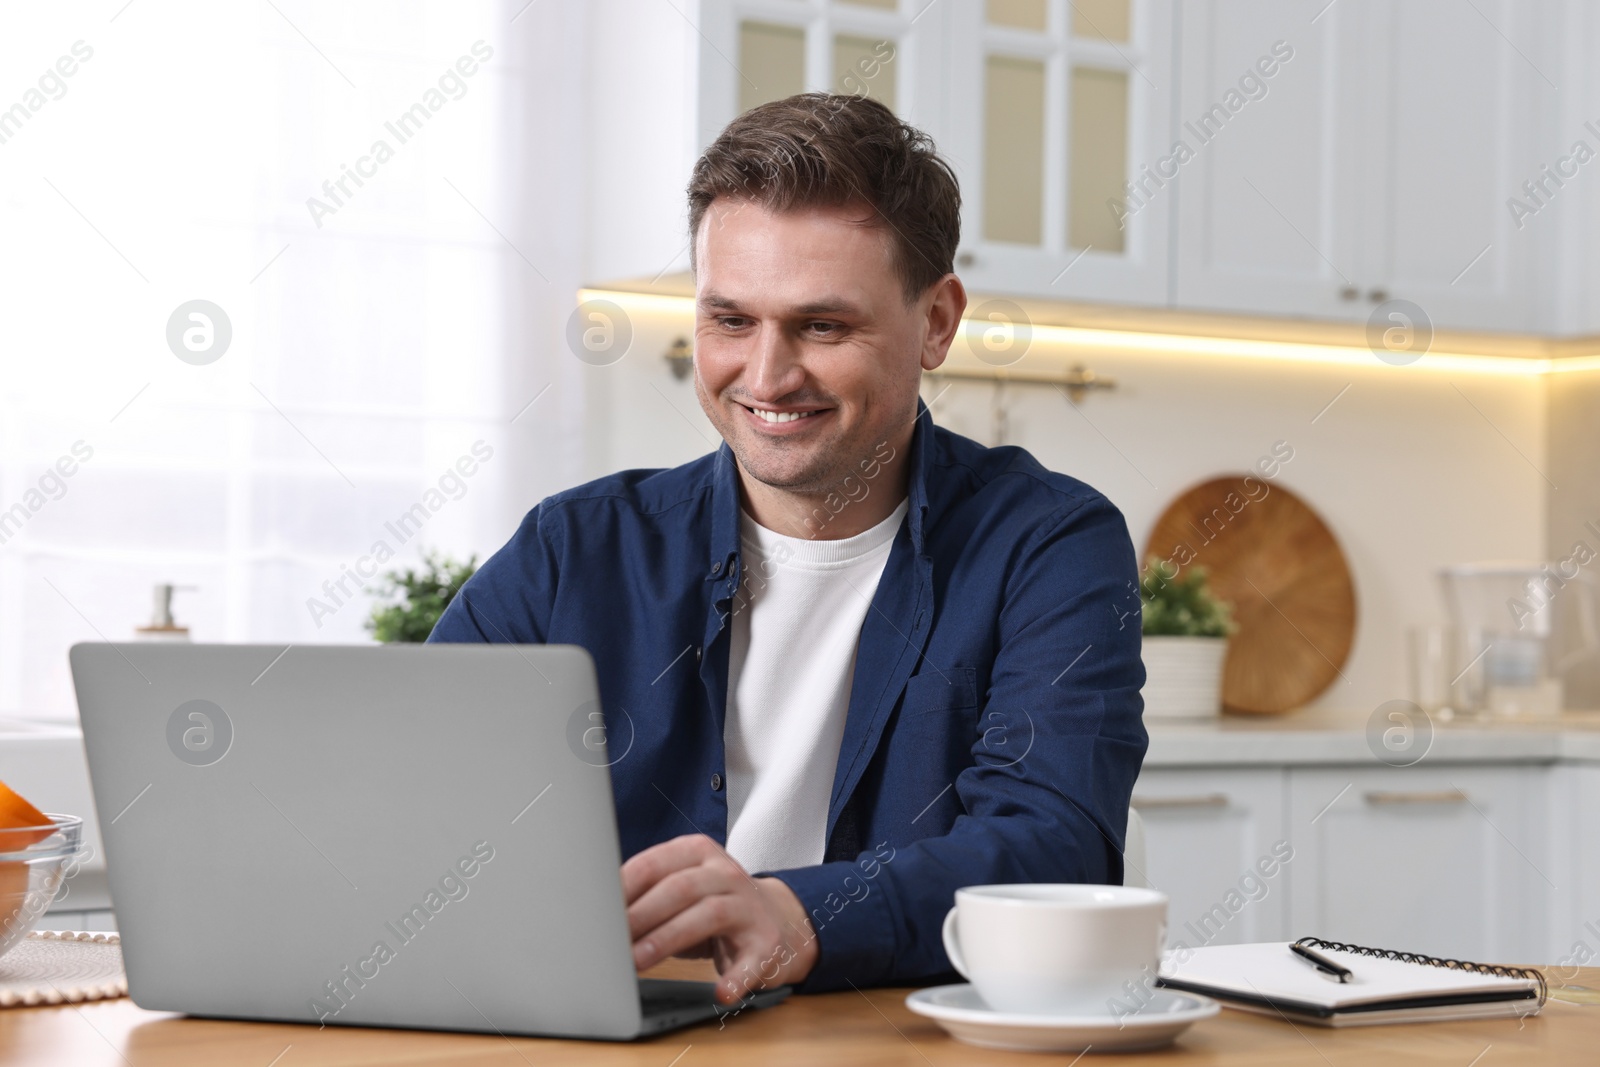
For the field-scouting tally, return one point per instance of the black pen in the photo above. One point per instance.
(1321, 962)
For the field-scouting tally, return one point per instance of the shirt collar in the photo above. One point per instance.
(724, 514)
(917, 473)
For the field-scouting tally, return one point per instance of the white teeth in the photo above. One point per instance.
(782, 416)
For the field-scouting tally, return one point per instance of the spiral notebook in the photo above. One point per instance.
(1385, 986)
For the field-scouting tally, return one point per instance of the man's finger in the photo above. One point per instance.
(645, 869)
(706, 918)
(746, 973)
(675, 893)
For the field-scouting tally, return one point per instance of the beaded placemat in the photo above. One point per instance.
(62, 967)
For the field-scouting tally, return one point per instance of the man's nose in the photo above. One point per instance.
(774, 369)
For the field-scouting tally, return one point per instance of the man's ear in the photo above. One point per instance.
(944, 309)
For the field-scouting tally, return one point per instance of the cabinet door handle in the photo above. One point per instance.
(1205, 800)
(1442, 796)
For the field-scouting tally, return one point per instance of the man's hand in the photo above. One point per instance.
(688, 897)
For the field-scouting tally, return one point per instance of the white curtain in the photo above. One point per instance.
(381, 200)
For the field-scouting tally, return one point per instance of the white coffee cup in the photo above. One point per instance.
(1055, 949)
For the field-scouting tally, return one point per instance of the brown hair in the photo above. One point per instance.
(829, 149)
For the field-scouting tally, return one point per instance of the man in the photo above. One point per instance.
(849, 662)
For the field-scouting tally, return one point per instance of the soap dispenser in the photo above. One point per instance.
(162, 627)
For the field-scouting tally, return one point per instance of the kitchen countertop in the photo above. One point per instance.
(48, 759)
(1311, 737)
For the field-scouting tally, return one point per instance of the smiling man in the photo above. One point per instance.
(850, 662)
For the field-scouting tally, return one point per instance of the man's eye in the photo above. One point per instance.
(733, 322)
(824, 329)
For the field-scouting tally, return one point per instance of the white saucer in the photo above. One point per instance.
(960, 1010)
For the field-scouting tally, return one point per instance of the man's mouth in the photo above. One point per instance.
(780, 416)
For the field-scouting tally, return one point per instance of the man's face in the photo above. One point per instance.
(807, 357)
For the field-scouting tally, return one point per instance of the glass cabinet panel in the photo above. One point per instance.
(1020, 14)
(1097, 153)
(863, 66)
(1107, 19)
(1013, 151)
(1056, 124)
(858, 55)
(772, 63)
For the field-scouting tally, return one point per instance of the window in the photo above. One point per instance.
(347, 388)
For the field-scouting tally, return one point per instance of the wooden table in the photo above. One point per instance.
(869, 1027)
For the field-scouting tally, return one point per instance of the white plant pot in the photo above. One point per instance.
(1183, 678)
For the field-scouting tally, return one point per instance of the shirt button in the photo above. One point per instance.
(716, 782)
(698, 649)
(716, 568)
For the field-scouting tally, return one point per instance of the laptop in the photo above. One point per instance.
(406, 836)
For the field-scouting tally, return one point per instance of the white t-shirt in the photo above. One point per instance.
(790, 661)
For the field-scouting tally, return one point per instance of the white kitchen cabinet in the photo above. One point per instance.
(1376, 164)
(761, 50)
(1456, 133)
(1584, 843)
(1446, 860)
(666, 78)
(1047, 121)
(1279, 157)
(1045, 109)
(1575, 919)
(1210, 836)
(1270, 105)
(645, 134)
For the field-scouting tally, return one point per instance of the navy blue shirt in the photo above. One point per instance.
(994, 728)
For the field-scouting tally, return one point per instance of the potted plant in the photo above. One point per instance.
(1185, 631)
(423, 596)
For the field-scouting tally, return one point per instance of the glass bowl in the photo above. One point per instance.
(33, 864)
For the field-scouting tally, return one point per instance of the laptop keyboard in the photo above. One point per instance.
(662, 994)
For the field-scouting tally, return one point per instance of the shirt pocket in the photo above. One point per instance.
(943, 704)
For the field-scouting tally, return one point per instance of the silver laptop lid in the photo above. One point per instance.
(397, 836)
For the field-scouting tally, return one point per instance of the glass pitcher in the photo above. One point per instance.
(1518, 627)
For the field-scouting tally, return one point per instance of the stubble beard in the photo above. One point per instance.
(772, 463)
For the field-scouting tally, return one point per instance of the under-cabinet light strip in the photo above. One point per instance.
(1093, 341)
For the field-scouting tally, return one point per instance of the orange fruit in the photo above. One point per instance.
(17, 812)
(13, 892)
(14, 812)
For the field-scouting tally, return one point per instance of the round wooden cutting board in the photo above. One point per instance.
(1274, 559)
